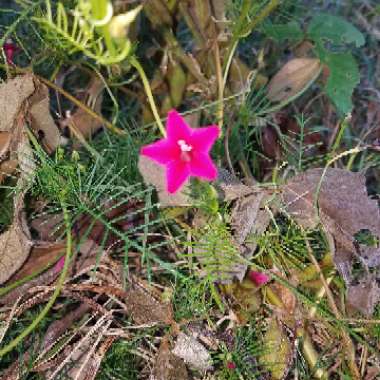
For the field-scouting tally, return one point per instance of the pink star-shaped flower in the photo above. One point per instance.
(184, 152)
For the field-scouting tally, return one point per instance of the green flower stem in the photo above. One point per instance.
(10, 346)
(136, 64)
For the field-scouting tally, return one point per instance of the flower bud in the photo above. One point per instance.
(119, 24)
(258, 278)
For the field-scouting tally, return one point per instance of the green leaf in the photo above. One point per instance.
(343, 78)
(324, 27)
(281, 32)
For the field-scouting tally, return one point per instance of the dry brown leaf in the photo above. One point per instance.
(365, 295)
(230, 187)
(344, 209)
(288, 312)
(146, 307)
(5, 142)
(41, 120)
(167, 365)
(154, 174)
(244, 215)
(41, 256)
(14, 250)
(294, 77)
(248, 220)
(81, 123)
(7, 168)
(13, 94)
(192, 352)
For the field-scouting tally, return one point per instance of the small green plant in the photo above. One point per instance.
(332, 36)
(192, 297)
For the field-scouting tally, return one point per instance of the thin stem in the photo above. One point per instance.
(219, 77)
(136, 64)
(229, 62)
(10, 346)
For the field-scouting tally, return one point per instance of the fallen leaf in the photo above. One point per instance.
(293, 78)
(249, 219)
(344, 209)
(231, 188)
(192, 352)
(365, 295)
(81, 123)
(244, 215)
(154, 174)
(81, 360)
(146, 307)
(41, 120)
(288, 310)
(15, 246)
(13, 94)
(167, 365)
(5, 142)
(41, 257)
(7, 168)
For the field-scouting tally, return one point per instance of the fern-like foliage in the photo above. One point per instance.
(216, 251)
(73, 32)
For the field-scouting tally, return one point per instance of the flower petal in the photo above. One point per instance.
(177, 172)
(202, 139)
(202, 166)
(162, 151)
(177, 128)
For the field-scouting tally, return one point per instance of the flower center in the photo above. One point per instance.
(184, 147)
(185, 150)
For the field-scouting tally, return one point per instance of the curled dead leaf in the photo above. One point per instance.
(294, 77)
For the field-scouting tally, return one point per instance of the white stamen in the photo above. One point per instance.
(184, 147)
